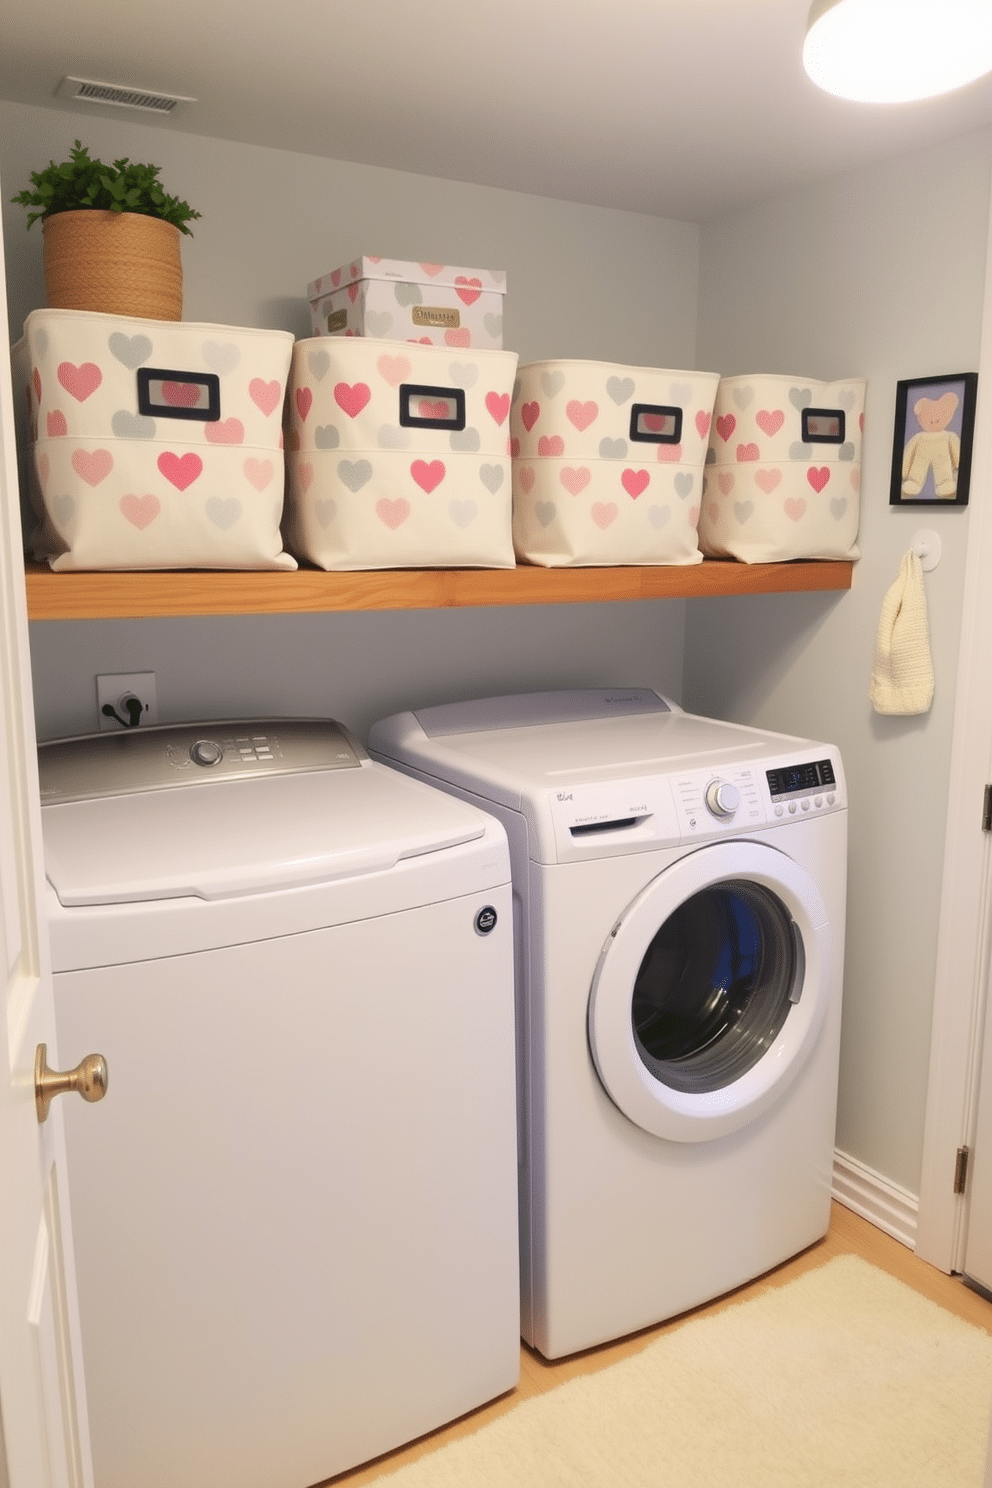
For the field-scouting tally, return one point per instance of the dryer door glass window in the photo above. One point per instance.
(715, 986)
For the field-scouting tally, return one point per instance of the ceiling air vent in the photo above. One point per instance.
(83, 90)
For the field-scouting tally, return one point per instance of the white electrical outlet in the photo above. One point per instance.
(126, 700)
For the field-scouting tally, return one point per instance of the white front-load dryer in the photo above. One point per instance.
(294, 1213)
(679, 893)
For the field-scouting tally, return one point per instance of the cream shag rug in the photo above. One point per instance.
(844, 1378)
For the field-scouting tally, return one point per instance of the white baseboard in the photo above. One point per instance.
(884, 1204)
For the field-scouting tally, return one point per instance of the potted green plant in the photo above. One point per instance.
(111, 236)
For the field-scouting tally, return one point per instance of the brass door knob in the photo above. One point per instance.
(89, 1078)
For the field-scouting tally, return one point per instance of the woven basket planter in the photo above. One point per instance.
(117, 263)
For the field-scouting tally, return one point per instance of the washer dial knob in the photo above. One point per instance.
(206, 752)
(722, 798)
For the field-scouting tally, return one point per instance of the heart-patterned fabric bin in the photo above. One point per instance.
(151, 444)
(398, 455)
(608, 463)
(783, 469)
(435, 304)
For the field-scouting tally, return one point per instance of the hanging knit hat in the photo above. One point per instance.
(902, 680)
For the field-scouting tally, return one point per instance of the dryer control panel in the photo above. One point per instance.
(144, 759)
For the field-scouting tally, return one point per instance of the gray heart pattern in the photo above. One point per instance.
(469, 440)
(355, 474)
(326, 437)
(221, 356)
(494, 325)
(130, 351)
(838, 506)
(128, 425)
(800, 398)
(846, 451)
(408, 294)
(553, 382)
(319, 362)
(63, 509)
(684, 483)
(392, 436)
(463, 513)
(463, 374)
(613, 449)
(743, 397)
(379, 322)
(620, 389)
(800, 451)
(743, 510)
(545, 512)
(41, 342)
(223, 513)
(492, 477)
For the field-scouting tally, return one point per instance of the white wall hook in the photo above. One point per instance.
(927, 547)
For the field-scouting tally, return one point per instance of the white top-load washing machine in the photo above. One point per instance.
(295, 1211)
(679, 888)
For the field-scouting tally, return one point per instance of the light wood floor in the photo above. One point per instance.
(848, 1234)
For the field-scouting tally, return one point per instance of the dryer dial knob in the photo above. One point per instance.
(722, 798)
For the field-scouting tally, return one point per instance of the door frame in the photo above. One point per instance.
(964, 938)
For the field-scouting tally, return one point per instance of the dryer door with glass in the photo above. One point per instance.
(711, 991)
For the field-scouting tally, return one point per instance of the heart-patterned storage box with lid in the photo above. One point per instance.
(398, 455)
(152, 444)
(783, 472)
(608, 463)
(436, 304)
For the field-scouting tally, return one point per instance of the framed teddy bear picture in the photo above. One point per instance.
(934, 434)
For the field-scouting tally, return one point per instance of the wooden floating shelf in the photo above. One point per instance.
(111, 595)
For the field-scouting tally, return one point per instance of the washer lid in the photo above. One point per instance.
(248, 835)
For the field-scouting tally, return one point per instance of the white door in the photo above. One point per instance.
(43, 1429)
(978, 1234)
(712, 991)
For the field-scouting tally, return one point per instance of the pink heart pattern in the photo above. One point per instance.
(635, 482)
(225, 431)
(498, 405)
(350, 399)
(428, 476)
(581, 414)
(79, 382)
(180, 470)
(392, 512)
(140, 511)
(92, 466)
(266, 396)
(574, 479)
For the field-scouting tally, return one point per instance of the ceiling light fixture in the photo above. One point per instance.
(896, 51)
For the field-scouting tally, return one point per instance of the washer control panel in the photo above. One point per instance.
(708, 801)
(804, 788)
(144, 759)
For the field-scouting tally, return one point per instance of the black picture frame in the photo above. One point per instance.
(928, 467)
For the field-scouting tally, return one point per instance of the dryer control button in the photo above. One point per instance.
(206, 752)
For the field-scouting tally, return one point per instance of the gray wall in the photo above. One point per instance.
(836, 281)
(582, 282)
